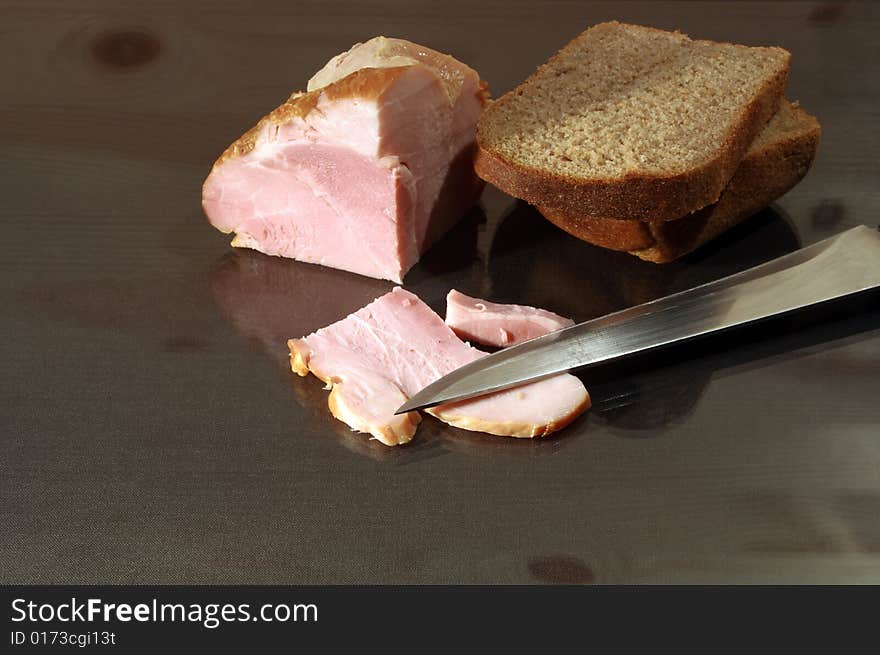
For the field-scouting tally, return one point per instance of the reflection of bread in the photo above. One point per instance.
(777, 160)
(607, 280)
(631, 123)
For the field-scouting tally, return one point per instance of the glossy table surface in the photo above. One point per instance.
(152, 432)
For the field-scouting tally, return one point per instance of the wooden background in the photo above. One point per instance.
(150, 431)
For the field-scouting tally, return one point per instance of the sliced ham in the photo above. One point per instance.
(364, 170)
(375, 359)
(494, 324)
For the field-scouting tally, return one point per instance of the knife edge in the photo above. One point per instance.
(842, 265)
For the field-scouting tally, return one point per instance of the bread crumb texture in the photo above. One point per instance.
(623, 99)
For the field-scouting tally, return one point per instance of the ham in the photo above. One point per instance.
(494, 324)
(364, 170)
(376, 358)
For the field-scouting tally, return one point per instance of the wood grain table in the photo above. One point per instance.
(151, 431)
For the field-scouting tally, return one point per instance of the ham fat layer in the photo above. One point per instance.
(494, 324)
(376, 358)
(362, 172)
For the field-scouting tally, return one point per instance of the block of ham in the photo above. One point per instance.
(494, 324)
(375, 359)
(364, 170)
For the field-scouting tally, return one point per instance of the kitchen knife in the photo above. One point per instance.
(843, 265)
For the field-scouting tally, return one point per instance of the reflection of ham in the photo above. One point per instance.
(493, 324)
(362, 172)
(376, 358)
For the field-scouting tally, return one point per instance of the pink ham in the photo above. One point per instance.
(364, 171)
(376, 358)
(493, 324)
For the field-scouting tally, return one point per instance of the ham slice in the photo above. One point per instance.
(362, 172)
(376, 358)
(493, 324)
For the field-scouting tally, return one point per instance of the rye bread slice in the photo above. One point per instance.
(777, 160)
(631, 123)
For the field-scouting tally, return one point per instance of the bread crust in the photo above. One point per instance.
(763, 175)
(635, 196)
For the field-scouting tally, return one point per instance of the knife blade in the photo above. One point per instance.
(842, 265)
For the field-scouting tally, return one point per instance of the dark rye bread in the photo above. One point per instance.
(777, 160)
(631, 123)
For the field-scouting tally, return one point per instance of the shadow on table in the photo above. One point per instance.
(657, 389)
(271, 299)
(535, 263)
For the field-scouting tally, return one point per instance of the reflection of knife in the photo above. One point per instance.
(840, 266)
